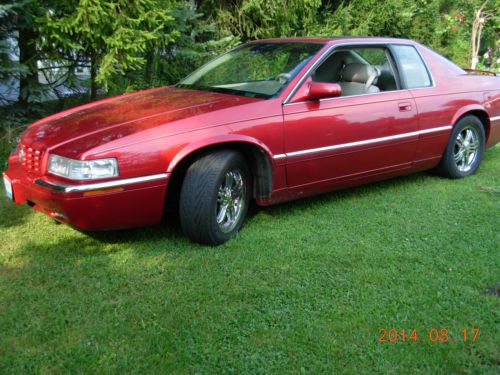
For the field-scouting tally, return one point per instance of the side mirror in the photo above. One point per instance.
(323, 90)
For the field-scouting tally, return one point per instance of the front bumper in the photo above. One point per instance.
(122, 203)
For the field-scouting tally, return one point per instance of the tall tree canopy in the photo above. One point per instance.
(131, 44)
(113, 34)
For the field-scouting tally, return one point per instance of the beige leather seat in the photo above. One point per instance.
(359, 79)
(330, 70)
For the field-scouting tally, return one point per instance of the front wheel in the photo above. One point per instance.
(215, 196)
(465, 149)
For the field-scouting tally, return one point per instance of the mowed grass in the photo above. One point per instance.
(303, 289)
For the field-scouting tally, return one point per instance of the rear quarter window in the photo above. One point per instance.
(413, 69)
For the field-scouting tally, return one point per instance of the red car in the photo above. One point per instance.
(272, 120)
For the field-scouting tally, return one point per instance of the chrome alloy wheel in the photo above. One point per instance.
(230, 200)
(466, 149)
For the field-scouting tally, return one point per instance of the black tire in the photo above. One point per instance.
(449, 167)
(205, 187)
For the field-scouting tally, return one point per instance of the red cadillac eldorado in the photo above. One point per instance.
(270, 121)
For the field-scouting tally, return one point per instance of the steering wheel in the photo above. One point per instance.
(282, 78)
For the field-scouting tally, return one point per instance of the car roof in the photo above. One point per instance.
(338, 39)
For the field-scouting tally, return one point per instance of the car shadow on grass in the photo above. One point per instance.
(383, 186)
(14, 215)
(165, 233)
(365, 191)
(170, 231)
(140, 243)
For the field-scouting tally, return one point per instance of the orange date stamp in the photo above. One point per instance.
(393, 335)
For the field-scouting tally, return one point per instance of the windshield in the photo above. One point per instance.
(259, 70)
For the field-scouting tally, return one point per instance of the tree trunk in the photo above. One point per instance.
(473, 41)
(28, 57)
(477, 28)
(93, 75)
(148, 69)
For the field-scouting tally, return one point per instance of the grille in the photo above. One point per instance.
(32, 159)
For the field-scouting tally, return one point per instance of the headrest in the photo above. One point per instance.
(360, 73)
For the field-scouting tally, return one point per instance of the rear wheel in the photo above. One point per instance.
(215, 196)
(465, 149)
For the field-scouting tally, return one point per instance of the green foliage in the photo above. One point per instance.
(443, 25)
(17, 116)
(8, 66)
(189, 56)
(17, 21)
(257, 19)
(368, 18)
(114, 33)
(137, 44)
(374, 56)
(195, 43)
(257, 63)
(285, 296)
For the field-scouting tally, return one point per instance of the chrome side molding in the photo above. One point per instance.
(364, 142)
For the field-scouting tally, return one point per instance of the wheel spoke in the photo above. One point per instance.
(220, 196)
(229, 215)
(468, 136)
(229, 180)
(466, 148)
(221, 214)
(230, 200)
(474, 145)
(238, 185)
(234, 210)
(471, 156)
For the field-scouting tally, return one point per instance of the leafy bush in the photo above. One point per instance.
(135, 44)
(16, 117)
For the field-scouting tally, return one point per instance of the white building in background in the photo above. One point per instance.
(49, 71)
(9, 86)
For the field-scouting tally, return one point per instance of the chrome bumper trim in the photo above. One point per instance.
(100, 185)
(495, 118)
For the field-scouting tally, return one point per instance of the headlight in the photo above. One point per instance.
(83, 169)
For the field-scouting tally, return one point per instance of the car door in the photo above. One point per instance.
(349, 137)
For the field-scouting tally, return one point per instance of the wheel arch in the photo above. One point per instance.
(258, 156)
(477, 111)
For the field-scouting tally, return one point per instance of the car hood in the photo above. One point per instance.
(101, 122)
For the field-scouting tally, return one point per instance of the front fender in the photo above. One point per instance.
(216, 140)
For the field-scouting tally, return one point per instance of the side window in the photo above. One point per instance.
(413, 68)
(359, 70)
(374, 56)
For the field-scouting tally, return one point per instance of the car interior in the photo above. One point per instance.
(358, 71)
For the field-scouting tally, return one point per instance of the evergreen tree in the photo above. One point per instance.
(113, 35)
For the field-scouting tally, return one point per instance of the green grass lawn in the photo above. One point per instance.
(304, 288)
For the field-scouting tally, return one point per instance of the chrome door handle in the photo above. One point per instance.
(405, 107)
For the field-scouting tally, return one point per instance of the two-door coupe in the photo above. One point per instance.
(270, 121)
